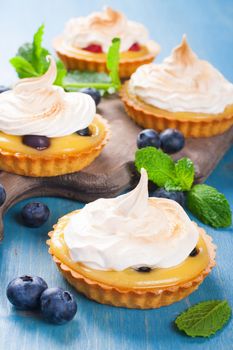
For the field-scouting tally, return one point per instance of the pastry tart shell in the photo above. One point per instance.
(149, 118)
(75, 62)
(135, 298)
(52, 165)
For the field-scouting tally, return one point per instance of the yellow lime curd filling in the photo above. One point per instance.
(178, 115)
(73, 143)
(130, 278)
(125, 55)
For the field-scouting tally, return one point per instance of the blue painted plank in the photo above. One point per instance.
(209, 27)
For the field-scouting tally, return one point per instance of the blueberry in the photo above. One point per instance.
(151, 186)
(36, 141)
(148, 137)
(172, 140)
(177, 196)
(24, 292)
(2, 195)
(143, 269)
(35, 214)
(57, 305)
(84, 132)
(194, 252)
(3, 88)
(95, 94)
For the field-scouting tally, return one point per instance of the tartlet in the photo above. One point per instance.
(108, 266)
(36, 110)
(183, 92)
(85, 41)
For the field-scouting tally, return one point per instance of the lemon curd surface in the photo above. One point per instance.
(70, 144)
(130, 278)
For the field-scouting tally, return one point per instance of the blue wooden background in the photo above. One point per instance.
(209, 26)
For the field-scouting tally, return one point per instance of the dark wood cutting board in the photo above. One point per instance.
(113, 172)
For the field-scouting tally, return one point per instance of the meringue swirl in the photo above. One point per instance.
(130, 231)
(182, 83)
(101, 27)
(37, 107)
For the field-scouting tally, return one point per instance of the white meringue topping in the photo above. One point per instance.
(36, 107)
(101, 27)
(182, 83)
(130, 231)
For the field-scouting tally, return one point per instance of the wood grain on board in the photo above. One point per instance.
(113, 172)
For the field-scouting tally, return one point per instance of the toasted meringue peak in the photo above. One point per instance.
(36, 107)
(105, 19)
(183, 54)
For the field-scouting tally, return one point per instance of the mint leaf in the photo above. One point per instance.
(185, 172)
(61, 73)
(86, 77)
(23, 68)
(37, 56)
(210, 206)
(159, 166)
(113, 58)
(204, 319)
(75, 80)
(25, 51)
(173, 185)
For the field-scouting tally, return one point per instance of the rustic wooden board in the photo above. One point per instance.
(113, 172)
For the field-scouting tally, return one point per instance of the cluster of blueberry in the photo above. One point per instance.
(32, 293)
(170, 140)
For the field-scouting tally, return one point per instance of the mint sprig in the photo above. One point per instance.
(209, 205)
(163, 171)
(205, 202)
(204, 319)
(31, 59)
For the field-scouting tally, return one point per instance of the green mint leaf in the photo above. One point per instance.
(25, 51)
(23, 68)
(185, 172)
(204, 319)
(113, 58)
(61, 73)
(37, 49)
(173, 185)
(76, 80)
(210, 206)
(159, 166)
